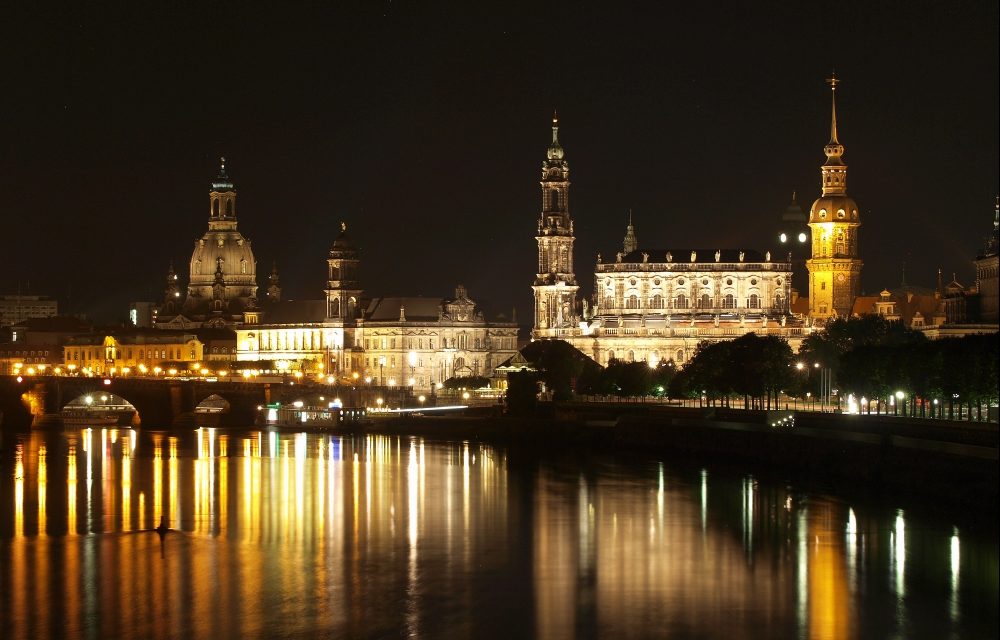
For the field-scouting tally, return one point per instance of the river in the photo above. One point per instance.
(305, 535)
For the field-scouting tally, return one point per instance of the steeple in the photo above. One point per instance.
(222, 201)
(834, 170)
(993, 240)
(630, 244)
(555, 283)
(274, 284)
(555, 149)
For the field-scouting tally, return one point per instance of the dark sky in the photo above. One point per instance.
(423, 126)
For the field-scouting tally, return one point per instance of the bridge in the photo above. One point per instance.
(162, 403)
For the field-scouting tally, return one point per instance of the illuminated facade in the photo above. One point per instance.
(555, 284)
(222, 286)
(394, 341)
(138, 351)
(834, 268)
(652, 304)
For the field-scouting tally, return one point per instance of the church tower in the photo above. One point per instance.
(343, 284)
(834, 268)
(555, 284)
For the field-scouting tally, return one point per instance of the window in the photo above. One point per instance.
(656, 302)
(632, 302)
(754, 301)
(705, 302)
(822, 286)
(729, 302)
(682, 301)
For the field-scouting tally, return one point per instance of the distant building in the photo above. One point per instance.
(404, 341)
(140, 351)
(39, 341)
(986, 272)
(142, 314)
(222, 285)
(651, 304)
(17, 308)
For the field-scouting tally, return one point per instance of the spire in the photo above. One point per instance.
(833, 82)
(555, 149)
(222, 181)
(630, 244)
(834, 170)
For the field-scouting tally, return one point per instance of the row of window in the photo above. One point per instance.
(682, 302)
(22, 354)
(116, 354)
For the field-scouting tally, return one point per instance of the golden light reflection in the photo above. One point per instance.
(19, 490)
(43, 478)
(71, 484)
(829, 612)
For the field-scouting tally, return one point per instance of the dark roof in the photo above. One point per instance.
(703, 255)
(416, 308)
(295, 311)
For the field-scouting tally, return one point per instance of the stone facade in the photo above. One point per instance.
(651, 304)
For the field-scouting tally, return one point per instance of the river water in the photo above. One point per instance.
(296, 535)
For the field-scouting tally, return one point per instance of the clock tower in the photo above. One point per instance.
(834, 268)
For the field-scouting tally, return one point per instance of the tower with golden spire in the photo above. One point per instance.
(555, 283)
(835, 267)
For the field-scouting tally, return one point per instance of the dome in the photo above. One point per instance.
(834, 208)
(343, 242)
(227, 252)
(555, 151)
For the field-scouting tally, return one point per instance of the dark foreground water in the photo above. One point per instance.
(299, 535)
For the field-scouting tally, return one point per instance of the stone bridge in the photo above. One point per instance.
(158, 402)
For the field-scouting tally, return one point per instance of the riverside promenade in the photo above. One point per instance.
(957, 461)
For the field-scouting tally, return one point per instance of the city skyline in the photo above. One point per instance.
(426, 130)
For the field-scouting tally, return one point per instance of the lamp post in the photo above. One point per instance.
(381, 370)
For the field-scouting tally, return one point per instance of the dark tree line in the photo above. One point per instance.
(892, 367)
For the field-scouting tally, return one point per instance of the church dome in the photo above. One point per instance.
(834, 208)
(225, 251)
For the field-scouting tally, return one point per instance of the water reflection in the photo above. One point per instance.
(385, 535)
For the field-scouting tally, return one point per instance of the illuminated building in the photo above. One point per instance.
(222, 287)
(651, 304)
(397, 341)
(100, 353)
(834, 268)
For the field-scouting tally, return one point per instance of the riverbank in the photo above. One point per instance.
(947, 460)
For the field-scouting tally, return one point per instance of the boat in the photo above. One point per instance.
(90, 419)
(319, 418)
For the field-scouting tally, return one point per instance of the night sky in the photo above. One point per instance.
(424, 126)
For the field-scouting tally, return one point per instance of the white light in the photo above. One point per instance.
(802, 237)
(783, 238)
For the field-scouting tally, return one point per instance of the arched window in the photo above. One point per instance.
(243, 266)
(679, 356)
(682, 301)
(729, 302)
(656, 302)
(215, 208)
(705, 302)
(609, 302)
(632, 302)
(779, 302)
(352, 304)
(611, 355)
(841, 244)
(554, 200)
(754, 302)
(197, 267)
(631, 355)
(335, 308)
(229, 208)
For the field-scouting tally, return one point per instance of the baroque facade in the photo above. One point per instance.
(651, 304)
(404, 341)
